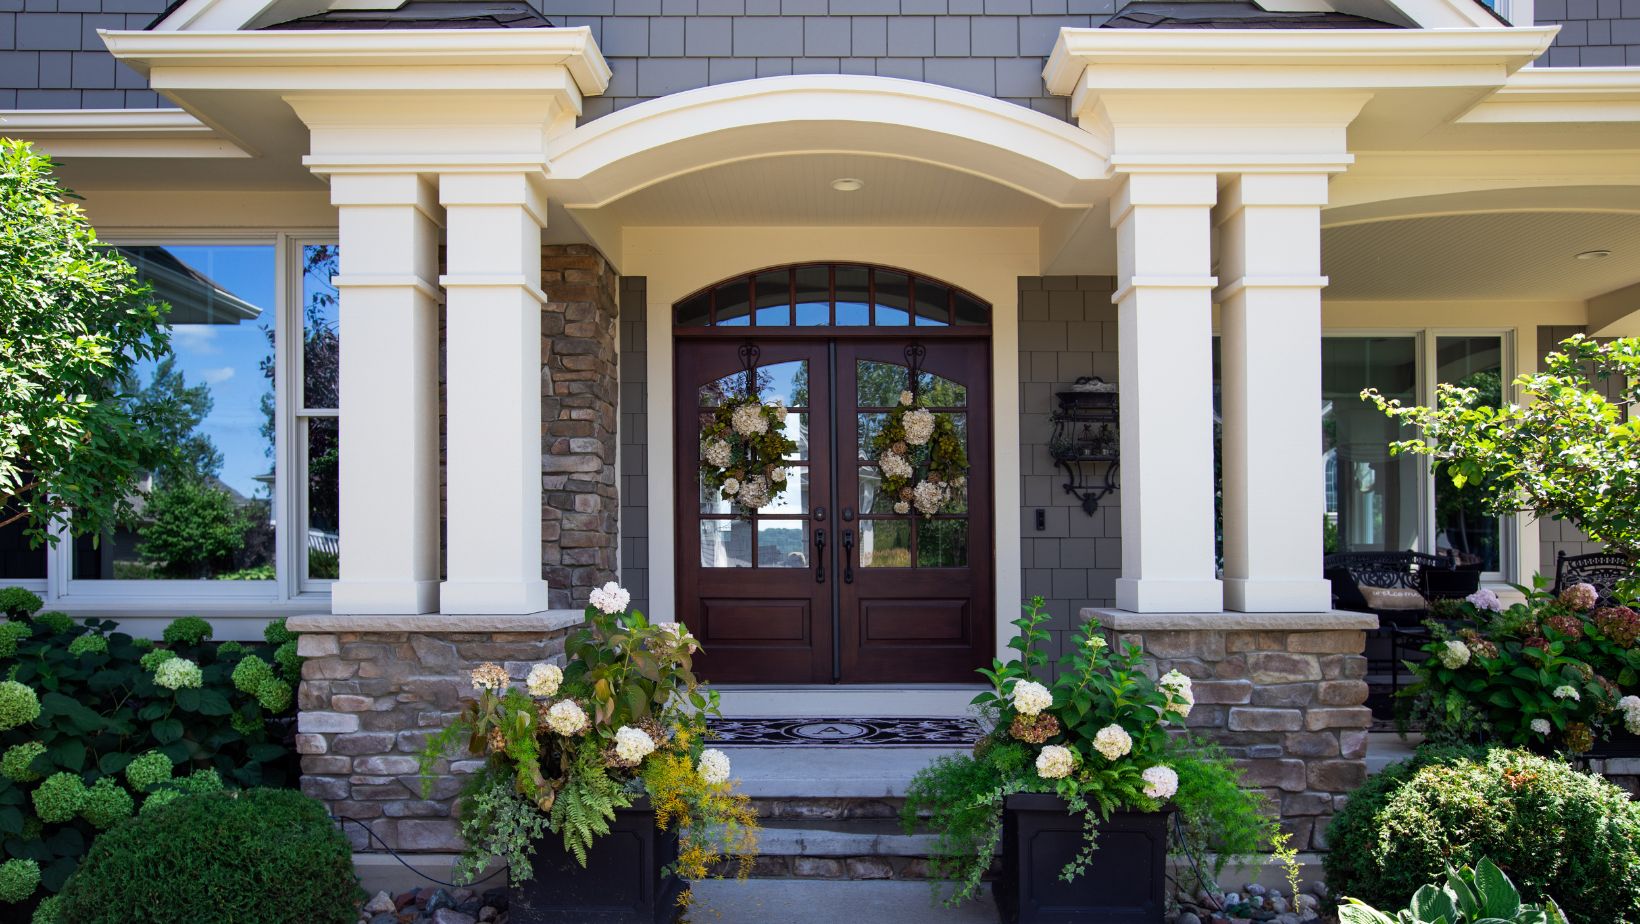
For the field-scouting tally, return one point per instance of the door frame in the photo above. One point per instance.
(987, 262)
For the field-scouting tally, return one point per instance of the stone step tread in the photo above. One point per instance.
(821, 772)
(870, 839)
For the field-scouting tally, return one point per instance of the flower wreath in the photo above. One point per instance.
(743, 449)
(914, 440)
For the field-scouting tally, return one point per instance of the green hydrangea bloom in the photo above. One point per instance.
(148, 770)
(59, 798)
(20, 602)
(142, 644)
(106, 803)
(14, 765)
(18, 880)
(160, 797)
(275, 696)
(251, 674)
(229, 648)
(188, 630)
(178, 673)
(10, 634)
(249, 726)
(56, 621)
(90, 643)
(202, 781)
(48, 911)
(153, 659)
(18, 705)
(276, 634)
(289, 661)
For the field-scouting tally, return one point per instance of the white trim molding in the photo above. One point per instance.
(119, 133)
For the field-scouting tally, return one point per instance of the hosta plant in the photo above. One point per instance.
(1479, 895)
(625, 718)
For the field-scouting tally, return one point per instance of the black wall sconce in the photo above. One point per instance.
(1085, 442)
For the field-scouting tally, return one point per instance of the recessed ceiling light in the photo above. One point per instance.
(847, 184)
(1594, 255)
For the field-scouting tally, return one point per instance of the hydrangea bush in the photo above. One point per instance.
(96, 725)
(1552, 673)
(625, 719)
(1099, 737)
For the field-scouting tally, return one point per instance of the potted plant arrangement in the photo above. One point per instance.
(1550, 673)
(1082, 763)
(606, 756)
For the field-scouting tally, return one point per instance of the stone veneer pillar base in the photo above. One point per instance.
(1282, 693)
(375, 688)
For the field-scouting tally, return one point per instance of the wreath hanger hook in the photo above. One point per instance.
(749, 354)
(914, 355)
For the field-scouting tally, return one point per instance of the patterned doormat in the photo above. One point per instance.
(895, 732)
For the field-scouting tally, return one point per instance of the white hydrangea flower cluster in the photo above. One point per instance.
(610, 599)
(1567, 691)
(1181, 694)
(748, 420)
(905, 398)
(544, 680)
(902, 507)
(777, 475)
(1113, 742)
(1029, 698)
(1485, 599)
(1097, 643)
(717, 453)
(731, 486)
(632, 744)
(1631, 713)
(713, 767)
(1055, 762)
(1161, 782)
(680, 635)
(178, 673)
(754, 492)
(1454, 655)
(489, 676)
(919, 426)
(894, 465)
(566, 718)
(1541, 726)
(929, 497)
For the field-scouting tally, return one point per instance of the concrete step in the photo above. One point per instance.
(835, 700)
(819, 772)
(874, 838)
(1385, 748)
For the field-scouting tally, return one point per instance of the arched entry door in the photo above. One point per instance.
(827, 582)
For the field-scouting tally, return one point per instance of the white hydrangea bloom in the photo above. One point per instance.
(754, 492)
(680, 635)
(731, 486)
(1055, 762)
(1181, 694)
(1029, 698)
(633, 744)
(610, 598)
(929, 497)
(566, 718)
(905, 398)
(717, 453)
(544, 680)
(1455, 655)
(178, 673)
(902, 507)
(1485, 599)
(1098, 643)
(919, 426)
(748, 420)
(713, 766)
(1113, 741)
(1631, 713)
(1568, 691)
(777, 475)
(1541, 726)
(894, 465)
(1161, 782)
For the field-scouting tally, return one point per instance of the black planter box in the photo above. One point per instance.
(1621, 745)
(622, 882)
(1124, 885)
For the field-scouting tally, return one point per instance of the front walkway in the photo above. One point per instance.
(798, 901)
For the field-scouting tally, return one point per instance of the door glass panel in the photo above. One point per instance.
(713, 394)
(893, 299)
(853, 296)
(774, 299)
(794, 496)
(885, 544)
(958, 500)
(813, 296)
(872, 499)
(1372, 497)
(797, 430)
(942, 543)
(732, 310)
(870, 425)
(970, 312)
(787, 381)
(879, 384)
(695, 312)
(933, 304)
(725, 544)
(782, 544)
(712, 500)
(938, 391)
(1463, 530)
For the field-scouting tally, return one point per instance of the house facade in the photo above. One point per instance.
(465, 280)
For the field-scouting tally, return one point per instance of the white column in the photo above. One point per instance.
(493, 375)
(388, 227)
(1164, 310)
(1274, 500)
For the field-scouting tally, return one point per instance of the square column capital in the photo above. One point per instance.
(1198, 190)
(494, 188)
(387, 189)
(1271, 189)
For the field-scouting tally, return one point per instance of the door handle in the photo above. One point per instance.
(819, 556)
(848, 556)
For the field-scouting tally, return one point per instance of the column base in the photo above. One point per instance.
(397, 598)
(1253, 595)
(493, 597)
(1139, 595)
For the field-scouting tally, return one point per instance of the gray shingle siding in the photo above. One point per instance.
(634, 409)
(51, 57)
(1593, 33)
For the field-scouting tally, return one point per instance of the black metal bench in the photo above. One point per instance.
(1604, 570)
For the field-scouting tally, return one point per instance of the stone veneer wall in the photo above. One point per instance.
(580, 508)
(1283, 694)
(375, 688)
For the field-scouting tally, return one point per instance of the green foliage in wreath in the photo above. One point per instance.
(743, 451)
(921, 456)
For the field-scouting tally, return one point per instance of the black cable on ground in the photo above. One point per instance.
(395, 854)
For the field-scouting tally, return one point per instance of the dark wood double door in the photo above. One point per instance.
(827, 583)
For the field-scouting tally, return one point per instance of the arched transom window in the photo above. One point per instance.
(850, 295)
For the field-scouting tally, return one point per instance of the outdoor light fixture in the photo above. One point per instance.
(847, 184)
(1085, 440)
(1594, 255)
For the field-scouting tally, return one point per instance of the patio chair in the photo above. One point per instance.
(1397, 587)
(1602, 569)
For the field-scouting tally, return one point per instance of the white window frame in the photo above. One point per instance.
(293, 542)
(1426, 343)
(288, 592)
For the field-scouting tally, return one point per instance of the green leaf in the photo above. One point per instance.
(54, 875)
(113, 762)
(69, 754)
(1498, 896)
(213, 703)
(167, 731)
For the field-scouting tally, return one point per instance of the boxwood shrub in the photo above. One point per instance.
(260, 856)
(1556, 831)
(95, 725)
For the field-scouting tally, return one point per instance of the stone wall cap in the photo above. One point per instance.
(544, 621)
(1331, 620)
